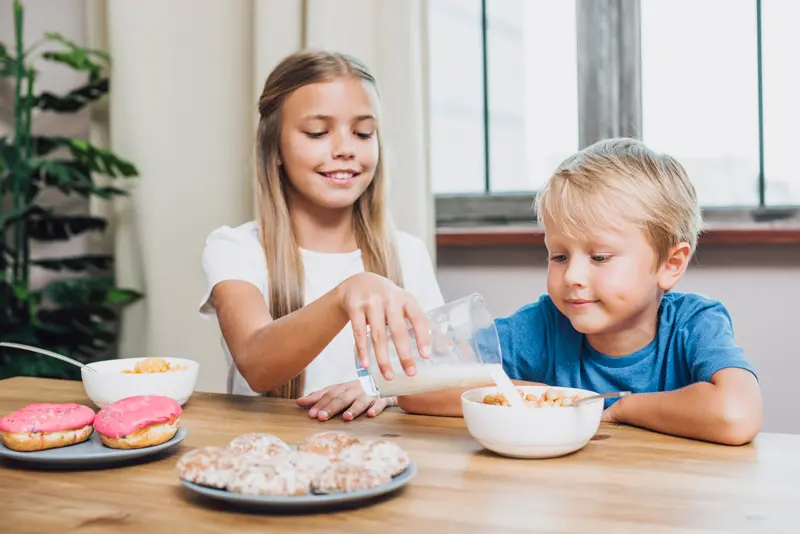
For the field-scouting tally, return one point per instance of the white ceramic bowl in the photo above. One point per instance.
(531, 432)
(109, 384)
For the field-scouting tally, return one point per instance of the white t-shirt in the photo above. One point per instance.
(237, 254)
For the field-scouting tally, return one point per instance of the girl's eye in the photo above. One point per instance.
(315, 135)
(601, 258)
(363, 135)
(558, 258)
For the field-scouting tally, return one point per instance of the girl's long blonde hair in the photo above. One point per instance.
(373, 227)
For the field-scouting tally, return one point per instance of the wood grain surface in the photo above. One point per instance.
(624, 480)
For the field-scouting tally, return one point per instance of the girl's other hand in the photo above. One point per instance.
(348, 397)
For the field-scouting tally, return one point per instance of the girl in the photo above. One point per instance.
(290, 290)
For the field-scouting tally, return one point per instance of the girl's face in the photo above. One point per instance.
(329, 142)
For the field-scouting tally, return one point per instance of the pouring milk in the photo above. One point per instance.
(465, 352)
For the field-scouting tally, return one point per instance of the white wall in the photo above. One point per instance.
(758, 284)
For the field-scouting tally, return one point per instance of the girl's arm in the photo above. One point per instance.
(270, 352)
(726, 410)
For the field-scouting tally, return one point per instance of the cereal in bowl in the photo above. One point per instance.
(153, 365)
(551, 398)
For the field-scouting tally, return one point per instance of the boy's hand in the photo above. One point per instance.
(610, 414)
(348, 397)
(726, 410)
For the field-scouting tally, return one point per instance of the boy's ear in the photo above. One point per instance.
(674, 266)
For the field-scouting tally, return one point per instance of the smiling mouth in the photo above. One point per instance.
(580, 303)
(340, 176)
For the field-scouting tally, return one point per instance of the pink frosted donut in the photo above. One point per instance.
(137, 422)
(37, 427)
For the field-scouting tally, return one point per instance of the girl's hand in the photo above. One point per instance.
(349, 396)
(375, 302)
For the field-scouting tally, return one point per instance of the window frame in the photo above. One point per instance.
(610, 105)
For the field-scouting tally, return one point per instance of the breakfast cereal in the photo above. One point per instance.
(551, 398)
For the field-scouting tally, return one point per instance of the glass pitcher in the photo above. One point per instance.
(464, 349)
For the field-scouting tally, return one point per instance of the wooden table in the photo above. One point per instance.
(625, 480)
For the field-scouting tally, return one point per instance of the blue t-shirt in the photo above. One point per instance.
(694, 340)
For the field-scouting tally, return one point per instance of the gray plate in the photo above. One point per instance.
(89, 454)
(305, 503)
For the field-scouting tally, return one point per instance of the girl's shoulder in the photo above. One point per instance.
(228, 246)
(245, 235)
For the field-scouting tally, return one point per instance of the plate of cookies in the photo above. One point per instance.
(331, 468)
(74, 436)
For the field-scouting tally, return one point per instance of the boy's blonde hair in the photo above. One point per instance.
(622, 179)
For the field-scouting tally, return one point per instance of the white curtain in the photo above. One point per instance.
(185, 81)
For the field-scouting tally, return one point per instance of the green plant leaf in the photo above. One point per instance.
(101, 160)
(72, 101)
(40, 145)
(77, 57)
(77, 60)
(23, 212)
(66, 175)
(69, 177)
(48, 227)
(98, 262)
(8, 64)
(89, 290)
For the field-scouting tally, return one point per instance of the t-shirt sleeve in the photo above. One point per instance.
(425, 286)
(229, 254)
(523, 342)
(710, 343)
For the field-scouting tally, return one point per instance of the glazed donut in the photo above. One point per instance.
(344, 478)
(378, 455)
(138, 422)
(209, 466)
(328, 443)
(258, 445)
(37, 427)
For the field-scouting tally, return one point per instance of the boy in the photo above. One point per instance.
(621, 224)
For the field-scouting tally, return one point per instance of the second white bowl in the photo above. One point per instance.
(531, 432)
(109, 384)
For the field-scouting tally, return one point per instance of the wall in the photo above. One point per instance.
(758, 284)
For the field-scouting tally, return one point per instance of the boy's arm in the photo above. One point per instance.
(445, 403)
(725, 410)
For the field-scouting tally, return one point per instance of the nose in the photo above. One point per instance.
(576, 273)
(343, 146)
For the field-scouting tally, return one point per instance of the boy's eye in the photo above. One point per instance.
(315, 135)
(558, 258)
(601, 258)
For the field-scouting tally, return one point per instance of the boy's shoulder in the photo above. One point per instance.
(689, 310)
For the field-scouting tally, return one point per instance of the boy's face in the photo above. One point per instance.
(609, 282)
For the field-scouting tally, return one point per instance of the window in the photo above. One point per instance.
(780, 43)
(525, 92)
(517, 85)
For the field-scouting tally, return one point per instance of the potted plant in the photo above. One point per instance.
(77, 313)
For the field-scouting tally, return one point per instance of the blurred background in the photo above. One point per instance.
(482, 99)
